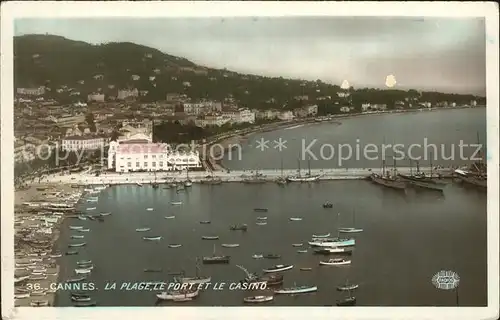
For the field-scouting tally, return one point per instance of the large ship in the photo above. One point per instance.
(308, 177)
(420, 180)
(197, 279)
(271, 279)
(179, 294)
(216, 259)
(388, 179)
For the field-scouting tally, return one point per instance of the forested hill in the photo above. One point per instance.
(55, 61)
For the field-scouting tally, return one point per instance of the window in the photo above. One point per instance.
(153, 156)
(145, 164)
(145, 156)
(161, 156)
(137, 164)
(129, 164)
(153, 164)
(161, 163)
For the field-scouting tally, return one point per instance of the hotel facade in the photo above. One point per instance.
(144, 155)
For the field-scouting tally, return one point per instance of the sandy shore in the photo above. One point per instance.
(32, 224)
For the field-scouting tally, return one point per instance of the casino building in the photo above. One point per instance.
(139, 153)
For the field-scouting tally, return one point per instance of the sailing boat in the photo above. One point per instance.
(307, 178)
(421, 181)
(188, 183)
(347, 302)
(281, 180)
(476, 175)
(155, 184)
(215, 259)
(351, 229)
(195, 280)
(348, 286)
(388, 180)
(256, 179)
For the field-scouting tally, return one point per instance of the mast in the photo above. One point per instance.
(411, 168)
(298, 162)
(282, 166)
(430, 163)
(338, 225)
(309, 166)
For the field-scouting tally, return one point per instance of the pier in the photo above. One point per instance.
(227, 176)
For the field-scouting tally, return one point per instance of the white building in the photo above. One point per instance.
(124, 94)
(241, 116)
(365, 107)
(98, 97)
(84, 142)
(143, 155)
(473, 103)
(212, 120)
(31, 91)
(194, 108)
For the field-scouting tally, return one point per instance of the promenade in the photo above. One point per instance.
(225, 176)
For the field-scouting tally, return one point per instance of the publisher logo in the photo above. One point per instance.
(446, 280)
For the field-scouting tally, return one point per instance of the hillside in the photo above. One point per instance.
(55, 61)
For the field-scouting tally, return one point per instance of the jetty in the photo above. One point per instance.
(228, 176)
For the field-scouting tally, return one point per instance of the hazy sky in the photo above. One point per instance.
(445, 54)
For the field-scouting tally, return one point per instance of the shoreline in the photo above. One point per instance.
(235, 137)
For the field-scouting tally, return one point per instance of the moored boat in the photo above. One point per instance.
(295, 219)
(175, 245)
(301, 251)
(180, 294)
(327, 205)
(71, 252)
(170, 217)
(176, 203)
(258, 299)
(142, 229)
(258, 256)
(158, 238)
(210, 237)
(81, 298)
(77, 236)
(83, 230)
(153, 270)
(103, 214)
(261, 218)
(278, 268)
(296, 290)
(305, 269)
(351, 301)
(81, 244)
(272, 256)
(333, 250)
(348, 287)
(261, 223)
(297, 244)
(76, 227)
(335, 262)
(39, 303)
(260, 209)
(326, 235)
(216, 259)
(230, 245)
(86, 304)
(350, 230)
(77, 279)
(149, 209)
(332, 242)
(242, 227)
(84, 262)
(205, 222)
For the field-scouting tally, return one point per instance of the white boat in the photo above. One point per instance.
(39, 303)
(92, 200)
(176, 203)
(303, 178)
(77, 237)
(332, 243)
(188, 184)
(301, 251)
(90, 209)
(278, 268)
(40, 271)
(81, 244)
(258, 299)
(348, 287)
(335, 262)
(230, 245)
(83, 262)
(350, 230)
(175, 245)
(336, 249)
(173, 295)
(76, 227)
(210, 237)
(56, 255)
(83, 271)
(152, 238)
(38, 277)
(142, 229)
(21, 296)
(83, 230)
(195, 280)
(321, 235)
(295, 219)
(297, 244)
(261, 223)
(139, 184)
(296, 290)
(258, 256)
(19, 279)
(82, 218)
(170, 217)
(150, 209)
(103, 214)
(261, 218)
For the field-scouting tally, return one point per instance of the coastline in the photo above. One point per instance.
(28, 256)
(237, 136)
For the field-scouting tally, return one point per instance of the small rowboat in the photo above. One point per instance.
(205, 222)
(82, 217)
(73, 280)
(142, 229)
(176, 203)
(230, 245)
(210, 237)
(152, 238)
(170, 217)
(351, 301)
(261, 223)
(76, 237)
(80, 299)
(76, 227)
(152, 270)
(81, 244)
(260, 209)
(350, 230)
(278, 268)
(175, 245)
(39, 303)
(258, 299)
(348, 287)
(261, 218)
(272, 256)
(306, 269)
(301, 251)
(71, 252)
(90, 209)
(297, 244)
(296, 290)
(295, 219)
(335, 262)
(149, 209)
(83, 230)
(83, 271)
(258, 256)
(103, 214)
(83, 262)
(320, 235)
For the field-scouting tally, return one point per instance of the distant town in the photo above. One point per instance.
(91, 111)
